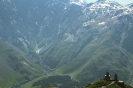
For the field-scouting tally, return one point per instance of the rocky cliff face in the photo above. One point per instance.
(71, 37)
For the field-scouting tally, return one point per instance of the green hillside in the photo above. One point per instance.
(87, 57)
(65, 81)
(94, 57)
(15, 67)
(106, 84)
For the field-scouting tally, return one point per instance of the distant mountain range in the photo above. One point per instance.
(71, 37)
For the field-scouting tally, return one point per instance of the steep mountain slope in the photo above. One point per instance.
(15, 67)
(72, 37)
(104, 52)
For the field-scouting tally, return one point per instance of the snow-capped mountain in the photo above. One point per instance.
(130, 5)
(71, 35)
(106, 8)
(78, 2)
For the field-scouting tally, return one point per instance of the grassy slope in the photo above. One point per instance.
(15, 67)
(101, 83)
(30, 83)
(96, 58)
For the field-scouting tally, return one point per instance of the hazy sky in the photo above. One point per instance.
(119, 1)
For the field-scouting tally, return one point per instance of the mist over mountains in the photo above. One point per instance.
(71, 37)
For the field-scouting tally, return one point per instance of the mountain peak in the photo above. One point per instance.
(106, 3)
(77, 2)
(102, 0)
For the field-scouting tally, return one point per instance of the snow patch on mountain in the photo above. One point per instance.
(58, 32)
(37, 49)
(102, 23)
(105, 8)
(70, 37)
(88, 23)
(106, 4)
(25, 63)
(130, 5)
(13, 22)
(77, 2)
(23, 41)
